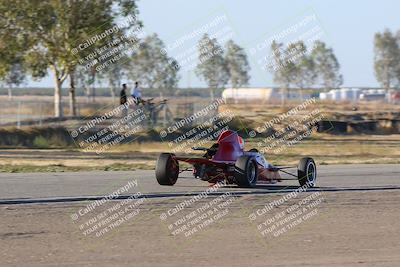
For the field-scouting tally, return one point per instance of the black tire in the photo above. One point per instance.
(246, 171)
(254, 150)
(167, 169)
(307, 172)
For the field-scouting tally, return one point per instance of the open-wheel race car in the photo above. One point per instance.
(227, 161)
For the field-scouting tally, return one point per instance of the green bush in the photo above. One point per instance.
(40, 142)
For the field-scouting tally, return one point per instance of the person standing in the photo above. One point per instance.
(136, 93)
(123, 100)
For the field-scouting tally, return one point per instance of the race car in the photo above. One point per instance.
(227, 161)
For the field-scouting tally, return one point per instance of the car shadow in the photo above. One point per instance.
(265, 186)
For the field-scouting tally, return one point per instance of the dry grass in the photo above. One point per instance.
(325, 149)
(347, 151)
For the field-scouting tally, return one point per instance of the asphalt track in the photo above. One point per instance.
(354, 224)
(31, 188)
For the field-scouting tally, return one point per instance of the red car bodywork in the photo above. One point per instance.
(222, 164)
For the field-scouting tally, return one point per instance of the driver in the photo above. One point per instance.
(211, 151)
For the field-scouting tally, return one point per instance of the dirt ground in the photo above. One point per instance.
(346, 229)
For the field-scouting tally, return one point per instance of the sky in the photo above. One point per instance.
(348, 27)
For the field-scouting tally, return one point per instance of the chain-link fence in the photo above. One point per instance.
(37, 113)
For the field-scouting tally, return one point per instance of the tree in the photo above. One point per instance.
(326, 66)
(212, 67)
(84, 78)
(114, 77)
(15, 76)
(237, 64)
(303, 67)
(281, 68)
(12, 69)
(54, 31)
(153, 67)
(386, 59)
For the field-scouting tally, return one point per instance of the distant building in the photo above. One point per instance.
(356, 94)
(344, 94)
(264, 95)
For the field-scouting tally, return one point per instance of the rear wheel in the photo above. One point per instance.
(246, 171)
(307, 172)
(167, 169)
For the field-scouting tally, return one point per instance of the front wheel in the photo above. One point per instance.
(167, 169)
(246, 171)
(307, 172)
